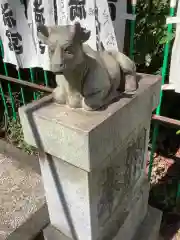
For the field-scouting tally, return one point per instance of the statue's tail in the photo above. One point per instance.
(126, 64)
(129, 69)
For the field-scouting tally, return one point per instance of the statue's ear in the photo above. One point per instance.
(43, 33)
(81, 35)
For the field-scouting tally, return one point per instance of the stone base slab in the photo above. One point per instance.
(150, 227)
(148, 230)
(133, 216)
(51, 233)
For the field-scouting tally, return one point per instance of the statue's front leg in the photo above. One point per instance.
(74, 99)
(59, 93)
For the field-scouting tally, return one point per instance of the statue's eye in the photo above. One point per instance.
(68, 50)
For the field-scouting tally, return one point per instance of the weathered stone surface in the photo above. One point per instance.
(23, 211)
(137, 212)
(85, 139)
(51, 233)
(120, 173)
(149, 229)
(90, 204)
(132, 216)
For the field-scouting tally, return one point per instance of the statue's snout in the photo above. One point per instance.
(57, 62)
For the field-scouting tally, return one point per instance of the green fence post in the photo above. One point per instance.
(1, 89)
(4, 100)
(46, 78)
(32, 80)
(164, 71)
(9, 86)
(22, 91)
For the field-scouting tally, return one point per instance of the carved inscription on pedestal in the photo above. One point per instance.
(135, 158)
(121, 175)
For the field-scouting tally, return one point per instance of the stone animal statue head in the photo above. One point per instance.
(64, 44)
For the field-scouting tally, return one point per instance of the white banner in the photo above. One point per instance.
(17, 39)
(107, 35)
(118, 9)
(9, 54)
(95, 16)
(19, 34)
(42, 12)
(175, 57)
(70, 11)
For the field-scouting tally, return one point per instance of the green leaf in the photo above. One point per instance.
(178, 132)
(169, 37)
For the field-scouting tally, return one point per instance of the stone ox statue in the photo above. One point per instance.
(85, 78)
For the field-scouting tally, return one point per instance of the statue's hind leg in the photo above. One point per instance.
(128, 68)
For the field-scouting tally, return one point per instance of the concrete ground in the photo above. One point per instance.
(23, 211)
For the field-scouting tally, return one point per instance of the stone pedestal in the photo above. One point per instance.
(93, 163)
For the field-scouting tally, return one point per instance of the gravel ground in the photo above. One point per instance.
(21, 199)
(165, 179)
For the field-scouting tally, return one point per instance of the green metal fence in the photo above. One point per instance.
(158, 110)
(7, 83)
(164, 72)
(34, 86)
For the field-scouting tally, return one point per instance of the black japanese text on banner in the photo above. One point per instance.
(16, 35)
(93, 15)
(70, 11)
(8, 23)
(42, 13)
